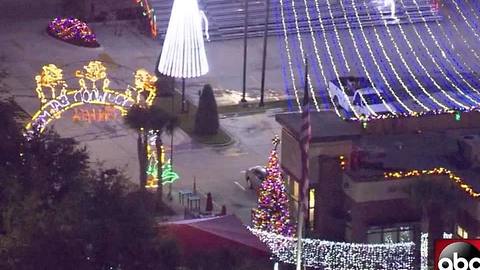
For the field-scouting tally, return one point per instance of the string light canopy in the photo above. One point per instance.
(183, 53)
(338, 255)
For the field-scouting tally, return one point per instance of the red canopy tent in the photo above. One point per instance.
(215, 233)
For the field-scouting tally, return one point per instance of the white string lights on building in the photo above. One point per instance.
(376, 62)
(338, 255)
(329, 52)
(464, 40)
(440, 69)
(183, 53)
(458, 93)
(424, 251)
(300, 42)
(366, 70)
(342, 52)
(289, 55)
(392, 66)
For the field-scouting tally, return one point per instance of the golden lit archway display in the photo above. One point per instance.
(57, 97)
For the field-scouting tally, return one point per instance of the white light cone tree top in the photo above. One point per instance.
(183, 53)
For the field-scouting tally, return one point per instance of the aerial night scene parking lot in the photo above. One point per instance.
(240, 134)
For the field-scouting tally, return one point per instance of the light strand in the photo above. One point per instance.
(435, 171)
(339, 255)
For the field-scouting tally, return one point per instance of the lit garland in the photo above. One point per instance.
(424, 251)
(436, 171)
(150, 14)
(183, 52)
(338, 255)
(272, 213)
(56, 97)
(73, 31)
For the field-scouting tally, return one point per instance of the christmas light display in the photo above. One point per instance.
(104, 114)
(73, 31)
(168, 175)
(272, 214)
(458, 94)
(183, 53)
(56, 97)
(444, 54)
(149, 12)
(424, 251)
(442, 71)
(337, 255)
(380, 70)
(436, 171)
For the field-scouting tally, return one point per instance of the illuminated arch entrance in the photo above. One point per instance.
(57, 97)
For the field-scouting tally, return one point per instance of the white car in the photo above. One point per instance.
(357, 94)
(254, 177)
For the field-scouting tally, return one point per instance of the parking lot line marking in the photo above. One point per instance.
(240, 186)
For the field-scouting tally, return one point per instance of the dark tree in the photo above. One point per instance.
(137, 119)
(206, 119)
(57, 213)
(144, 120)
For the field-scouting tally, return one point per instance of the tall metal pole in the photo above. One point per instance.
(264, 62)
(245, 30)
(299, 236)
(183, 95)
(169, 196)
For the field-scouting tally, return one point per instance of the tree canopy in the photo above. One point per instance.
(58, 213)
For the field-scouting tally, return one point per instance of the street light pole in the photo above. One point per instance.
(183, 95)
(264, 62)
(245, 29)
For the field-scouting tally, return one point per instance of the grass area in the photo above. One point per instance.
(173, 104)
(252, 107)
(187, 120)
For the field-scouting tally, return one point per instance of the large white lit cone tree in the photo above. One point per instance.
(183, 53)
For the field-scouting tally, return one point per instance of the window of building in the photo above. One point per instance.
(390, 234)
(296, 190)
(461, 232)
(311, 208)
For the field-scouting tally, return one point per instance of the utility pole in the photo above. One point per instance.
(245, 30)
(264, 62)
(183, 95)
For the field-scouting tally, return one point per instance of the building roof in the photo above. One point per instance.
(326, 126)
(393, 152)
(215, 233)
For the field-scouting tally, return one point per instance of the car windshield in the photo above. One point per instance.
(260, 173)
(372, 99)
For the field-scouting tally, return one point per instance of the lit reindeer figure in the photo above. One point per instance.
(51, 77)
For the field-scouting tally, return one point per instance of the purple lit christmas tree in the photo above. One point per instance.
(272, 214)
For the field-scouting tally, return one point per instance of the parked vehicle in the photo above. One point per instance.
(254, 177)
(358, 94)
